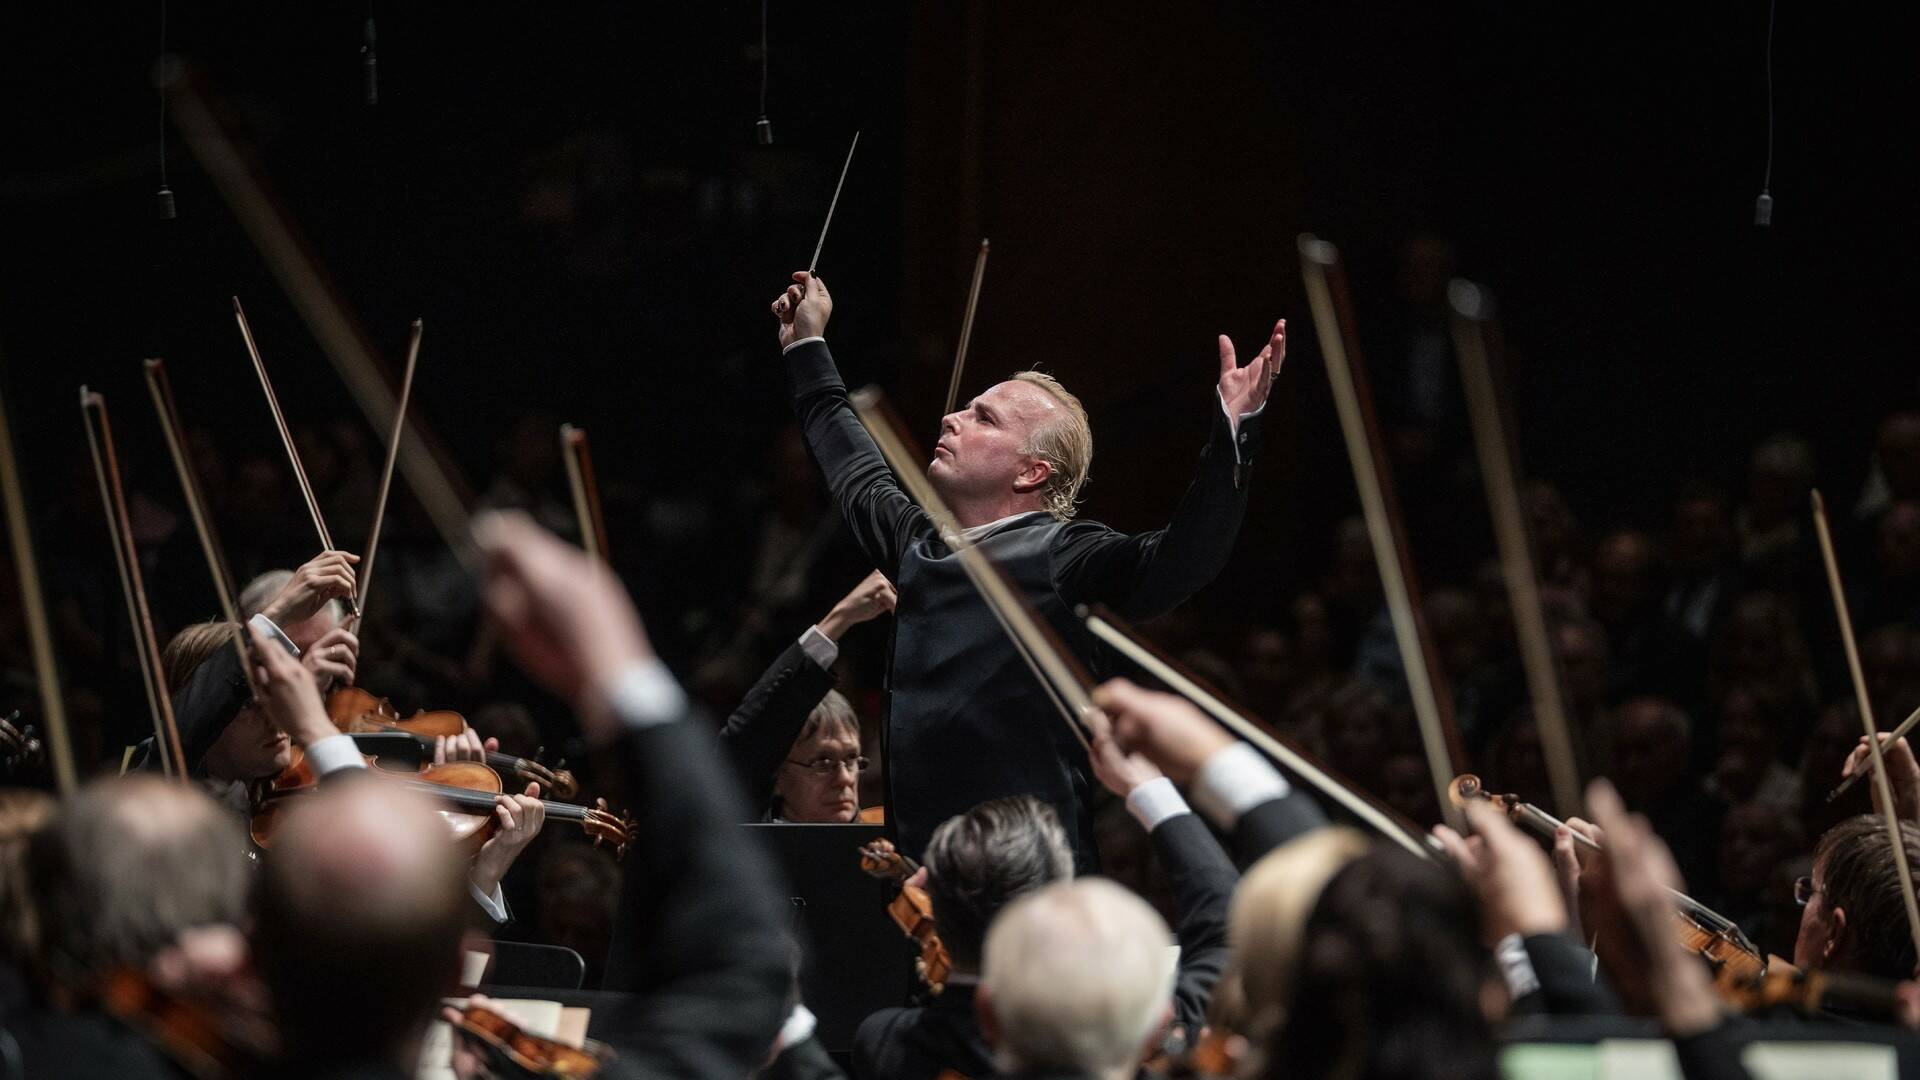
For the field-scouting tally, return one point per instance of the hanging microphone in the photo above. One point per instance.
(165, 200)
(369, 71)
(1763, 206)
(763, 128)
(1763, 210)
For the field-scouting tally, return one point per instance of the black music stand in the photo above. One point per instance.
(853, 959)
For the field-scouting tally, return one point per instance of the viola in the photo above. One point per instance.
(209, 1040)
(1703, 931)
(514, 1052)
(1786, 986)
(911, 909)
(356, 712)
(465, 789)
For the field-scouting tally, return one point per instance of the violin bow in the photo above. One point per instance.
(341, 338)
(364, 580)
(1109, 628)
(1059, 671)
(1897, 734)
(1471, 321)
(966, 327)
(161, 391)
(1881, 787)
(286, 435)
(33, 604)
(585, 490)
(126, 559)
(1333, 319)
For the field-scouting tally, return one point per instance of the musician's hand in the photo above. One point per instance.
(517, 820)
(564, 616)
(1117, 770)
(1566, 870)
(1903, 773)
(326, 576)
(1245, 389)
(1508, 872)
(803, 310)
(466, 746)
(870, 599)
(1631, 883)
(334, 659)
(1165, 729)
(286, 690)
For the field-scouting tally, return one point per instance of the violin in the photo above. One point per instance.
(357, 712)
(465, 789)
(1786, 986)
(911, 909)
(512, 1051)
(1706, 933)
(209, 1040)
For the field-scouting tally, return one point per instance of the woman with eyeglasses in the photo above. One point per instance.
(794, 740)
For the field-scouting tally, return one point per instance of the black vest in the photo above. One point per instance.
(969, 721)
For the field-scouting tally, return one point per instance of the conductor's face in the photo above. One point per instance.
(981, 452)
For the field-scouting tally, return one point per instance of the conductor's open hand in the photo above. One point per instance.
(803, 310)
(1245, 389)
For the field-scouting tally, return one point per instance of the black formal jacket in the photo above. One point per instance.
(699, 936)
(967, 721)
(759, 735)
(918, 1043)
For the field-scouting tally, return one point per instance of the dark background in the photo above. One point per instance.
(573, 200)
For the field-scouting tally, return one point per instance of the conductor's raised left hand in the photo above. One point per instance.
(1245, 389)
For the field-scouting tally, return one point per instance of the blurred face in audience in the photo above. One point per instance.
(820, 781)
(1649, 752)
(1753, 840)
(1702, 532)
(1900, 542)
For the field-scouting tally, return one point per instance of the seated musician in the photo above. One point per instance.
(126, 876)
(1853, 917)
(795, 741)
(982, 860)
(1075, 980)
(358, 913)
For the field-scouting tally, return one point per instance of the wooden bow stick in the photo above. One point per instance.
(1059, 671)
(1880, 785)
(340, 336)
(286, 434)
(1326, 283)
(1108, 628)
(1498, 475)
(161, 391)
(966, 327)
(585, 490)
(126, 559)
(364, 579)
(33, 605)
(1896, 735)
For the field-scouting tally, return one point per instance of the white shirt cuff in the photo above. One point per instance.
(645, 694)
(495, 905)
(1233, 422)
(273, 632)
(334, 753)
(1234, 781)
(1511, 954)
(819, 648)
(802, 341)
(1154, 802)
(798, 1028)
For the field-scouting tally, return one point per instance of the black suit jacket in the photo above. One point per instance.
(699, 935)
(759, 735)
(967, 721)
(1273, 823)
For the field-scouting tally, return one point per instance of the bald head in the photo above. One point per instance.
(1076, 976)
(360, 919)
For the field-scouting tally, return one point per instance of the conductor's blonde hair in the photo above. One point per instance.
(1066, 443)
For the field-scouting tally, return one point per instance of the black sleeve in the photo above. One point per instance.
(883, 519)
(1713, 1054)
(760, 733)
(1273, 823)
(1151, 573)
(1568, 984)
(211, 698)
(806, 1061)
(1203, 879)
(699, 935)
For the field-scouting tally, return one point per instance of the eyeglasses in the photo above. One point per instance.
(828, 766)
(1804, 890)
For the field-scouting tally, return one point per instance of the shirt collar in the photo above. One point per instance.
(981, 532)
